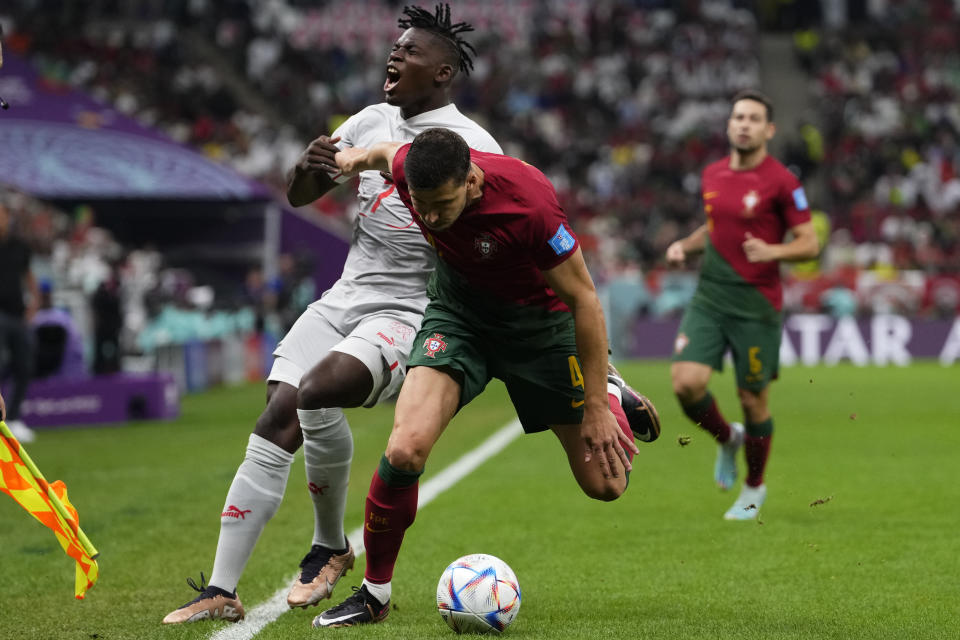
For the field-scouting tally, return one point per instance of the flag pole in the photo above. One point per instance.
(51, 495)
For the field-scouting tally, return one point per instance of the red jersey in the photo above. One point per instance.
(765, 201)
(501, 243)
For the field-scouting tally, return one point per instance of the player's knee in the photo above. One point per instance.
(278, 423)
(750, 401)
(687, 388)
(607, 491)
(406, 455)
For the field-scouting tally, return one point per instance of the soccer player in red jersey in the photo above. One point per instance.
(751, 201)
(511, 298)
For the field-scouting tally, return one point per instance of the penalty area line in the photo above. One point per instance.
(266, 612)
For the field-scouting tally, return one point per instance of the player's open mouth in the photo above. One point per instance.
(393, 77)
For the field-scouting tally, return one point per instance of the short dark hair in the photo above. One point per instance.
(436, 156)
(439, 25)
(756, 96)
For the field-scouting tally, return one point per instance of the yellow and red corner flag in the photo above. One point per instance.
(48, 503)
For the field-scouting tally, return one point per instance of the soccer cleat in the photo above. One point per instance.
(747, 506)
(641, 414)
(319, 572)
(360, 608)
(725, 468)
(213, 603)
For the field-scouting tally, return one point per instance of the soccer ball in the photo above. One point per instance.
(478, 593)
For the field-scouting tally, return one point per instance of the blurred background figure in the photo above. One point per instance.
(16, 311)
(57, 339)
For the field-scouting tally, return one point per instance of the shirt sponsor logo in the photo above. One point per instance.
(800, 199)
(486, 246)
(433, 345)
(562, 241)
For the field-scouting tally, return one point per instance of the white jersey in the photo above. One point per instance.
(389, 261)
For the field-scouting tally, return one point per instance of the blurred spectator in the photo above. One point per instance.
(15, 316)
(107, 323)
(59, 346)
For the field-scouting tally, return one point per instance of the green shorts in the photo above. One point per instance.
(532, 350)
(705, 335)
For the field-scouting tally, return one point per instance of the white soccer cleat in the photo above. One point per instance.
(747, 506)
(725, 468)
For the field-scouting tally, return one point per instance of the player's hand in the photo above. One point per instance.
(319, 156)
(3, 409)
(757, 250)
(350, 160)
(604, 441)
(676, 256)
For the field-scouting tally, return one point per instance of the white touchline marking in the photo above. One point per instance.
(266, 612)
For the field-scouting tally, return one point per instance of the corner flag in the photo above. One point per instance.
(48, 503)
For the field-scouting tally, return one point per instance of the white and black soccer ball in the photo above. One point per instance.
(478, 593)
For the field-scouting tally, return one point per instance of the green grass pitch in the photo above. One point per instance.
(858, 539)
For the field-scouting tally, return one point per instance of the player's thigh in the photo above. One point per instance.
(700, 338)
(589, 475)
(755, 346)
(543, 377)
(364, 368)
(449, 342)
(427, 402)
(309, 340)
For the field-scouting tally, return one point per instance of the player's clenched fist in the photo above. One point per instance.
(675, 253)
(319, 156)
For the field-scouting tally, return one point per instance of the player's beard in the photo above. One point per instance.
(747, 150)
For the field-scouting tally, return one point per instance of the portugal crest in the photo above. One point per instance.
(433, 345)
(486, 245)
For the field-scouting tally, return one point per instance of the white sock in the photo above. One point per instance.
(253, 498)
(327, 453)
(379, 591)
(614, 390)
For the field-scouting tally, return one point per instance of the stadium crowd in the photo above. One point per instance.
(619, 103)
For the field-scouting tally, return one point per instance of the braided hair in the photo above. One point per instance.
(438, 23)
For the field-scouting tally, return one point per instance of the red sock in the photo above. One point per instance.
(757, 450)
(389, 512)
(707, 415)
(617, 410)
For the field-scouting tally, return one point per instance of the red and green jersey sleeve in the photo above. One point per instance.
(764, 202)
(502, 243)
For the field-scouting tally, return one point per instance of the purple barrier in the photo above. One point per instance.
(114, 398)
(812, 339)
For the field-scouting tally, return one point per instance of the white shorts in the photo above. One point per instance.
(382, 342)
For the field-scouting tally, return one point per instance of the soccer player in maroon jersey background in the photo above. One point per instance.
(511, 298)
(751, 202)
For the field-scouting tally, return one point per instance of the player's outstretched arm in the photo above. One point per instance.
(603, 437)
(311, 177)
(379, 157)
(678, 250)
(3, 409)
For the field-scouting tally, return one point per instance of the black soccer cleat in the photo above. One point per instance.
(360, 608)
(641, 414)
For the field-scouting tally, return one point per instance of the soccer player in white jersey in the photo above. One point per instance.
(350, 347)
